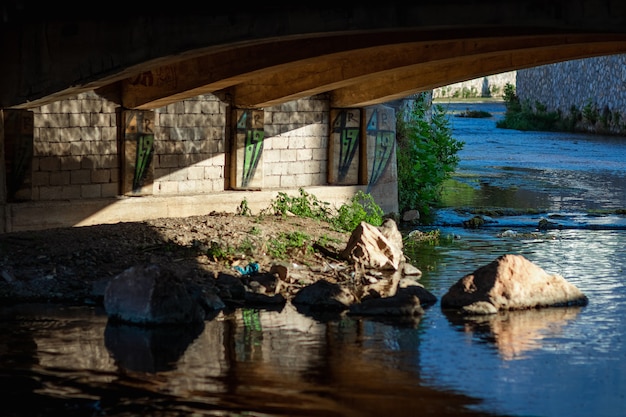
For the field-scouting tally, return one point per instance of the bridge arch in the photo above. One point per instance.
(361, 54)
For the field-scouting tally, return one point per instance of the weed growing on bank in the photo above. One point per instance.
(346, 218)
(361, 207)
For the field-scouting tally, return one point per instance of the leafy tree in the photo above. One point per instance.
(427, 155)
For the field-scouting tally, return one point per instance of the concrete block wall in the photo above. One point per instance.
(75, 150)
(76, 147)
(76, 164)
(189, 147)
(295, 151)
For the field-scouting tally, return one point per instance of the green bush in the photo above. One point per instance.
(427, 155)
(361, 207)
(525, 116)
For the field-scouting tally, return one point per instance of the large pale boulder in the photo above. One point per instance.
(375, 247)
(151, 294)
(511, 282)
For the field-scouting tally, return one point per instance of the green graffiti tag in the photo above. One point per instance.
(383, 149)
(145, 147)
(253, 147)
(349, 139)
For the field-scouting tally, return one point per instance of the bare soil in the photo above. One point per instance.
(73, 265)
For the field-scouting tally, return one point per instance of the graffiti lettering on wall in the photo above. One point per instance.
(346, 130)
(381, 132)
(250, 135)
(18, 147)
(138, 151)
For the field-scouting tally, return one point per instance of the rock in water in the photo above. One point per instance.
(151, 294)
(511, 282)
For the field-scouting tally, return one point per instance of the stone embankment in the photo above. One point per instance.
(593, 87)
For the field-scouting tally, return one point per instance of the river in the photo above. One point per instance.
(553, 362)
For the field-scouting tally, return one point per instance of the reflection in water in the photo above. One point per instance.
(149, 349)
(264, 363)
(515, 333)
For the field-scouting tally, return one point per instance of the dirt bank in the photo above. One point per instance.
(73, 264)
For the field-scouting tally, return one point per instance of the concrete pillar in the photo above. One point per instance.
(381, 156)
(344, 147)
(247, 153)
(137, 151)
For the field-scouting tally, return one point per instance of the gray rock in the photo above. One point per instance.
(324, 295)
(151, 294)
(398, 305)
(408, 286)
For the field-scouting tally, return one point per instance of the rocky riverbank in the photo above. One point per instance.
(73, 265)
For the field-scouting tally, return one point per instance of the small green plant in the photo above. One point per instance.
(590, 112)
(219, 251)
(417, 238)
(246, 247)
(279, 247)
(304, 205)
(296, 239)
(325, 240)
(361, 207)
(244, 209)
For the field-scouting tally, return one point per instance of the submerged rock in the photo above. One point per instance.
(511, 282)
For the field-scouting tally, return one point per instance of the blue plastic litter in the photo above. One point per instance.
(251, 268)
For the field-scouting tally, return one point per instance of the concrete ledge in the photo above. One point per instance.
(69, 213)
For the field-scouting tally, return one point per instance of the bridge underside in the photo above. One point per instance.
(360, 55)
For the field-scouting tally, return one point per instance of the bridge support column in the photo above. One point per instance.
(362, 151)
(137, 149)
(346, 165)
(246, 168)
(382, 167)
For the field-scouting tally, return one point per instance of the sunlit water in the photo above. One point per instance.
(553, 362)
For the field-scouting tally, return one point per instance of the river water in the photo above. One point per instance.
(553, 362)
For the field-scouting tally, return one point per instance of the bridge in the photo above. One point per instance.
(145, 57)
(138, 60)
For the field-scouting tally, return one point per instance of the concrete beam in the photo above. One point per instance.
(54, 51)
(405, 81)
(358, 67)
